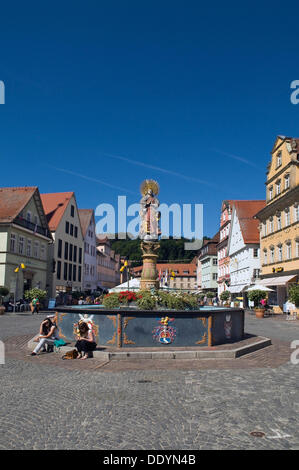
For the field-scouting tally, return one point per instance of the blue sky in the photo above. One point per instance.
(101, 95)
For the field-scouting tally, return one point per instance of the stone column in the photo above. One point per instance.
(149, 275)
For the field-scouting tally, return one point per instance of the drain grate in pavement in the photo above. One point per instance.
(257, 434)
(144, 381)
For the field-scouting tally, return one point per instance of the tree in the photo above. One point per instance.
(256, 296)
(4, 291)
(294, 295)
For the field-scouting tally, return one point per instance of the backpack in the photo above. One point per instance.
(73, 354)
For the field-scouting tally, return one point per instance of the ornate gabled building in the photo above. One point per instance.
(279, 220)
(222, 251)
(25, 239)
(63, 219)
(89, 272)
(244, 246)
(208, 260)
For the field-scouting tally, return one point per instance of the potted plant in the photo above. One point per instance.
(224, 296)
(294, 297)
(256, 296)
(35, 294)
(3, 292)
(210, 296)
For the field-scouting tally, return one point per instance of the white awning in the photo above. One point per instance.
(236, 289)
(277, 281)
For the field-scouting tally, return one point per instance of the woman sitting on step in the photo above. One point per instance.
(85, 341)
(47, 335)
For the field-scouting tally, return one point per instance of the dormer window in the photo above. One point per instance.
(278, 159)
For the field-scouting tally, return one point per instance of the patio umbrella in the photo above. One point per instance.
(260, 287)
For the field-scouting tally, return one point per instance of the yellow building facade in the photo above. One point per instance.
(279, 220)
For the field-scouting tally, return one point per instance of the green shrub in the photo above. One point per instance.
(225, 295)
(256, 296)
(35, 293)
(294, 295)
(4, 291)
(145, 300)
(210, 295)
(111, 300)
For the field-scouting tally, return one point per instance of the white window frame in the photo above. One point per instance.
(13, 240)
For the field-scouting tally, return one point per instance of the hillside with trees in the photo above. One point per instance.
(171, 250)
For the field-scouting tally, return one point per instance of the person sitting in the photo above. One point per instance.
(47, 335)
(86, 343)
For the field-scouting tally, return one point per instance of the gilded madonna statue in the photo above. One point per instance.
(149, 214)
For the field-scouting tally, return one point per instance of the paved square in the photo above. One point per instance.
(47, 403)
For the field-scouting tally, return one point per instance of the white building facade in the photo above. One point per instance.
(244, 247)
(89, 278)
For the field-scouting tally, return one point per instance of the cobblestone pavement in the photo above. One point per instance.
(47, 403)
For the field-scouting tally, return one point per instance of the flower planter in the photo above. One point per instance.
(259, 312)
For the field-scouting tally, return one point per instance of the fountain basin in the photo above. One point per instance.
(130, 327)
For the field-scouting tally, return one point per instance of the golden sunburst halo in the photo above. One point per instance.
(149, 184)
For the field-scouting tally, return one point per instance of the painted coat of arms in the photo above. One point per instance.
(164, 333)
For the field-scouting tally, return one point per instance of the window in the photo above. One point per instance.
(72, 230)
(76, 232)
(256, 273)
(272, 255)
(271, 192)
(265, 257)
(255, 252)
(279, 222)
(28, 216)
(75, 254)
(67, 227)
(265, 228)
(12, 242)
(21, 245)
(289, 250)
(286, 181)
(79, 274)
(35, 249)
(71, 252)
(70, 271)
(278, 187)
(29, 248)
(278, 160)
(43, 251)
(215, 262)
(296, 213)
(66, 250)
(58, 269)
(297, 248)
(271, 225)
(65, 272)
(279, 251)
(80, 255)
(59, 251)
(74, 272)
(287, 217)
(215, 276)
(72, 211)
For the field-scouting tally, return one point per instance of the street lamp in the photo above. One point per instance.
(22, 266)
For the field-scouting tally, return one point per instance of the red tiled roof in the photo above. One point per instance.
(103, 241)
(249, 226)
(54, 207)
(13, 201)
(179, 267)
(85, 215)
